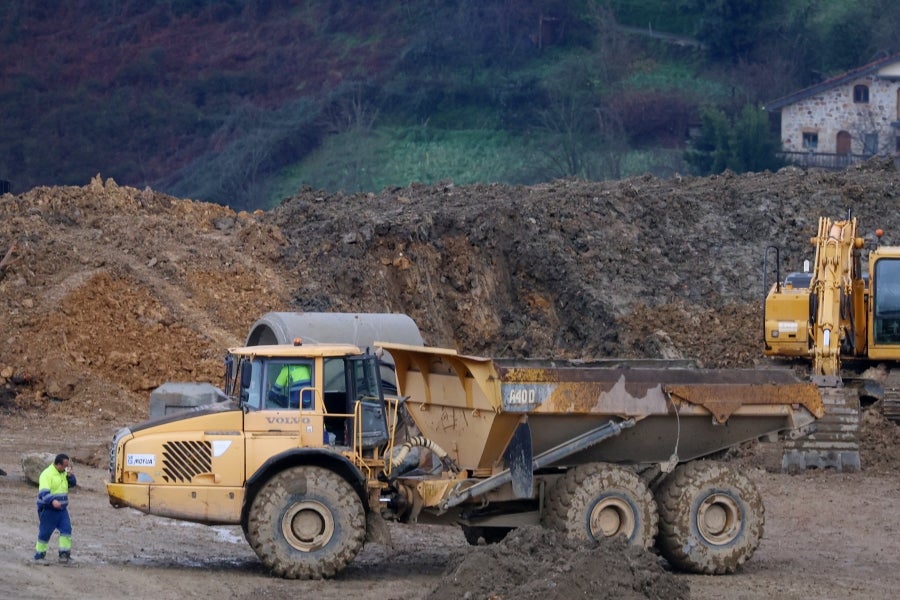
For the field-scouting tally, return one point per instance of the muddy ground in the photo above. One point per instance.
(109, 291)
(827, 535)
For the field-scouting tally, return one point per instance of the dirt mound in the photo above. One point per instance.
(573, 268)
(533, 563)
(114, 291)
(879, 444)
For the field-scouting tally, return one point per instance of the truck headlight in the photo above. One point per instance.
(113, 451)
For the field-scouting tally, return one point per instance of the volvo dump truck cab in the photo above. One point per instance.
(314, 466)
(240, 462)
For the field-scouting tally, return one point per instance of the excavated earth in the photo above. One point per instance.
(109, 291)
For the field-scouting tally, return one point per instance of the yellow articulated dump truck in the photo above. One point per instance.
(312, 459)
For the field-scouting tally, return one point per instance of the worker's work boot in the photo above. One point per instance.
(40, 558)
(64, 556)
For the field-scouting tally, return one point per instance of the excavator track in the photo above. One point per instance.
(890, 404)
(835, 442)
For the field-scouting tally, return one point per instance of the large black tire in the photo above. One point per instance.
(711, 518)
(476, 535)
(601, 500)
(306, 523)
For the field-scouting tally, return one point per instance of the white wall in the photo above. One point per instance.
(834, 110)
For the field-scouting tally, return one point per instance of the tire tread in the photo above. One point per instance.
(571, 495)
(676, 497)
(341, 499)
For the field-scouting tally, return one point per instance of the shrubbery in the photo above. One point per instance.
(239, 102)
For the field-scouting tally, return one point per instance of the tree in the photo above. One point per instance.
(709, 152)
(253, 145)
(753, 145)
(565, 118)
(732, 28)
(747, 144)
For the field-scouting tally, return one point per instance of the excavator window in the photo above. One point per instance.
(798, 280)
(887, 301)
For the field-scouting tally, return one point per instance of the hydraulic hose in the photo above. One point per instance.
(422, 442)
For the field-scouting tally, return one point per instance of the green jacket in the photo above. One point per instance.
(53, 485)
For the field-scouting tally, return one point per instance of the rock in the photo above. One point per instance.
(660, 344)
(60, 379)
(35, 462)
(174, 396)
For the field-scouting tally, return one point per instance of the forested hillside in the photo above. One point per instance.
(243, 103)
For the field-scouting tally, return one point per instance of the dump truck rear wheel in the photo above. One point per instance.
(490, 535)
(306, 523)
(711, 518)
(598, 500)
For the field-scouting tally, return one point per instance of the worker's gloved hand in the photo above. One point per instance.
(276, 397)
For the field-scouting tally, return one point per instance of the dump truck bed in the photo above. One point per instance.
(471, 406)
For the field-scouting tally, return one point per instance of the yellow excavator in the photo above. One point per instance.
(842, 319)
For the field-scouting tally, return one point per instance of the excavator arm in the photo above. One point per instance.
(835, 271)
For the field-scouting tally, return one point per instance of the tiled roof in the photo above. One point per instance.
(832, 82)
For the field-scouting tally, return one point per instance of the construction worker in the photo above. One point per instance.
(286, 390)
(53, 508)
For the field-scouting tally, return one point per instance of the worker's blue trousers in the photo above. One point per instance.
(51, 520)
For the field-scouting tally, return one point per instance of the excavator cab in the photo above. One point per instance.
(786, 315)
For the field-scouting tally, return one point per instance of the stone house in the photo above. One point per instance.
(844, 119)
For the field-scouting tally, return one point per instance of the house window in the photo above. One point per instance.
(861, 94)
(870, 144)
(897, 145)
(810, 140)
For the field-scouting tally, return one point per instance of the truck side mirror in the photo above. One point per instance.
(229, 372)
(243, 392)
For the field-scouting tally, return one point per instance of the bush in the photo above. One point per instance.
(747, 144)
(655, 117)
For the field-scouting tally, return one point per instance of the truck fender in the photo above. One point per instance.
(320, 457)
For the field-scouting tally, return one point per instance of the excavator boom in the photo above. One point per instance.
(835, 271)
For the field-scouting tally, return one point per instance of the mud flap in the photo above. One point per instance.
(377, 531)
(519, 460)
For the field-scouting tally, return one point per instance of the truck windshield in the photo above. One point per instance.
(288, 384)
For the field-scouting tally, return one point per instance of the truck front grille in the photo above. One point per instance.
(182, 461)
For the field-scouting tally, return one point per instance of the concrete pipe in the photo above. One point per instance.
(359, 329)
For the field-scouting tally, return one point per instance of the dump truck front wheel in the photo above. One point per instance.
(711, 518)
(306, 523)
(599, 500)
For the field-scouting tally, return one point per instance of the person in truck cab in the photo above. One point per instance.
(285, 392)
